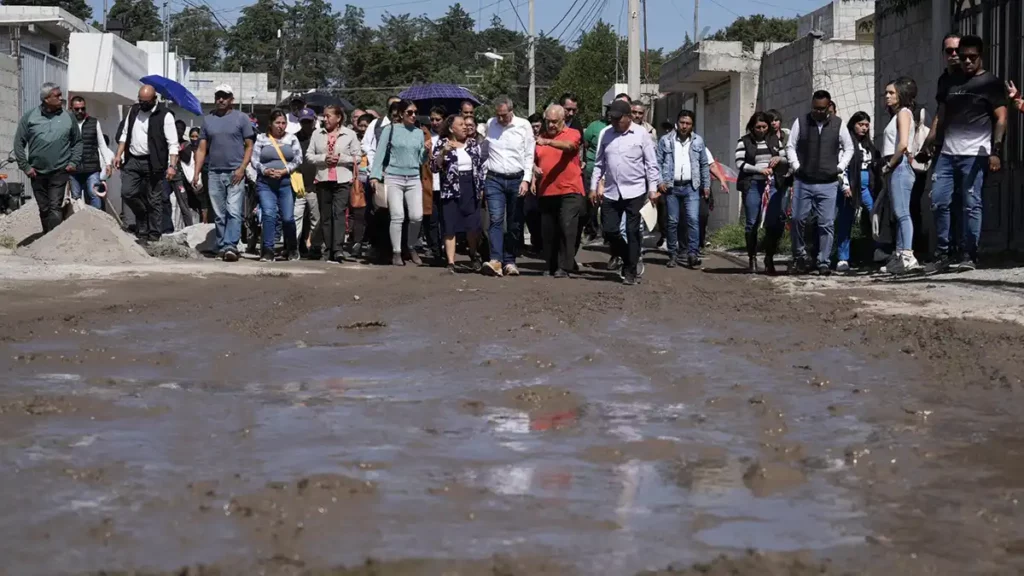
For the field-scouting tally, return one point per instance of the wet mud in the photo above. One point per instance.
(399, 422)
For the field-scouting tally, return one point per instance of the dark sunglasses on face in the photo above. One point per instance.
(79, 109)
(950, 51)
(970, 57)
(410, 112)
(571, 109)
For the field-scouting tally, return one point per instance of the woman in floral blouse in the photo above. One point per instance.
(457, 159)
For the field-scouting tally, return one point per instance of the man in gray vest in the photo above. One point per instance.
(97, 159)
(819, 149)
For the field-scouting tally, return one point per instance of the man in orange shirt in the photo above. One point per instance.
(560, 191)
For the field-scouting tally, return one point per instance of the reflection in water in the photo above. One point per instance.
(341, 401)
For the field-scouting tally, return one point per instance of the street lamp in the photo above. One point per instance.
(496, 56)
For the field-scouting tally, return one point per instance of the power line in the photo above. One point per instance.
(729, 10)
(578, 12)
(518, 17)
(594, 18)
(564, 16)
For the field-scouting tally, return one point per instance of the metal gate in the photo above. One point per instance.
(1000, 23)
(37, 68)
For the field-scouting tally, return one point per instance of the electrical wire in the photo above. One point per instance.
(578, 12)
(564, 16)
(518, 17)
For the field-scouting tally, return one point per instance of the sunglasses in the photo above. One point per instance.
(410, 112)
(78, 109)
(567, 109)
(970, 57)
(950, 51)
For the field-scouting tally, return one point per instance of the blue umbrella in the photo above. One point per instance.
(175, 92)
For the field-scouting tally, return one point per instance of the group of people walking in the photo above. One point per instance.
(339, 187)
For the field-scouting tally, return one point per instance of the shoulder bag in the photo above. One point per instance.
(298, 184)
(380, 193)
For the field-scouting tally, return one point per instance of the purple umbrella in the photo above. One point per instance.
(438, 92)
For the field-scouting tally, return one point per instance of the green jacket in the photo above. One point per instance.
(47, 141)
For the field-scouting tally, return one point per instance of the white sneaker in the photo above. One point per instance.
(843, 266)
(881, 255)
(909, 261)
(894, 265)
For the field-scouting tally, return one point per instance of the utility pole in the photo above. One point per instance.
(104, 16)
(280, 63)
(167, 37)
(633, 63)
(696, 21)
(533, 63)
(647, 62)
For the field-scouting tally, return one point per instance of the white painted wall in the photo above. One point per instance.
(846, 69)
(9, 113)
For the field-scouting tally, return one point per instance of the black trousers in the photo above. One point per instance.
(611, 216)
(559, 225)
(333, 199)
(704, 213)
(358, 217)
(49, 192)
(142, 190)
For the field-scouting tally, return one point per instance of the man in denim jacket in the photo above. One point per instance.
(685, 178)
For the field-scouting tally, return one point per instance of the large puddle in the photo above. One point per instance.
(626, 448)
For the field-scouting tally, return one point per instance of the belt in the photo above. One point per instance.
(516, 176)
(143, 157)
(678, 183)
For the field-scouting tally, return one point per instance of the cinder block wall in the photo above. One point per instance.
(786, 79)
(9, 112)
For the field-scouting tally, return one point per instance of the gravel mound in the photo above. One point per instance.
(22, 224)
(90, 236)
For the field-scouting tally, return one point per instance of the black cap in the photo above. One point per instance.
(618, 109)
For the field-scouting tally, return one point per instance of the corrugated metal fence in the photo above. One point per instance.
(38, 67)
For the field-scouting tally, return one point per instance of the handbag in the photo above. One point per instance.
(298, 183)
(380, 192)
(921, 133)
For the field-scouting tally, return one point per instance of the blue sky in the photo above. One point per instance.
(667, 20)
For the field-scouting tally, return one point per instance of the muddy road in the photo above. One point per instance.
(402, 421)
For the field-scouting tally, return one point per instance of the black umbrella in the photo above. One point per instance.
(319, 100)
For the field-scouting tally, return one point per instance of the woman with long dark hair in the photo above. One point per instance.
(862, 185)
(901, 101)
(275, 156)
(401, 151)
(457, 159)
(759, 157)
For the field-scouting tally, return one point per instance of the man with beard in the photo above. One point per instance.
(147, 157)
(97, 159)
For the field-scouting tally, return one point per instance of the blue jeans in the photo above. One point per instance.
(752, 207)
(845, 213)
(818, 200)
(504, 207)
(226, 200)
(901, 186)
(84, 183)
(968, 174)
(276, 200)
(685, 201)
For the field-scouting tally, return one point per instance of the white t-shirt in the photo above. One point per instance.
(433, 146)
(465, 161)
(681, 170)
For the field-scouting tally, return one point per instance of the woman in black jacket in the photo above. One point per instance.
(862, 185)
(760, 159)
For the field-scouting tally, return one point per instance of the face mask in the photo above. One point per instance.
(147, 106)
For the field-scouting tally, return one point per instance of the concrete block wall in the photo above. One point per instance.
(821, 19)
(249, 87)
(9, 113)
(846, 69)
(847, 12)
(786, 79)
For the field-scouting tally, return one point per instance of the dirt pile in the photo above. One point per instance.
(22, 224)
(90, 236)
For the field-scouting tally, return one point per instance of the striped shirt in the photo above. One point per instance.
(761, 158)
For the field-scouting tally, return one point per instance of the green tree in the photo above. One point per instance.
(196, 34)
(757, 28)
(356, 41)
(140, 19)
(588, 71)
(311, 45)
(497, 80)
(453, 35)
(252, 42)
(79, 8)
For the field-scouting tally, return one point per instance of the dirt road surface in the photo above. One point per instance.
(402, 421)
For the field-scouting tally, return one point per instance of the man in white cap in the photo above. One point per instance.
(226, 139)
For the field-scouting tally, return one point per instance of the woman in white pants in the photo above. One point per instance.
(401, 150)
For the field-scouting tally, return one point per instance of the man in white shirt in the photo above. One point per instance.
(97, 159)
(819, 149)
(373, 132)
(147, 156)
(509, 150)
